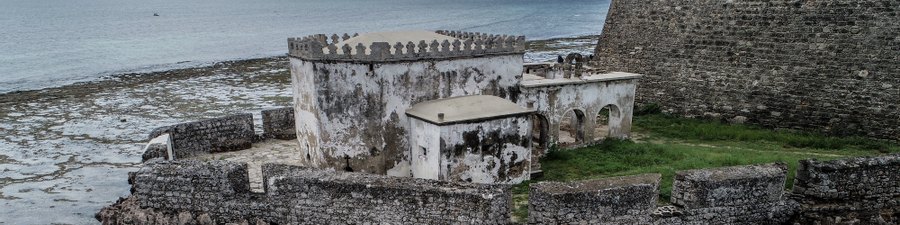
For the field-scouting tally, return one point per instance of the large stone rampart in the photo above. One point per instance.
(826, 65)
(220, 191)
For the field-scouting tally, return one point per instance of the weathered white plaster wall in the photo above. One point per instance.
(360, 108)
(494, 151)
(427, 136)
(554, 101)
(306, 112)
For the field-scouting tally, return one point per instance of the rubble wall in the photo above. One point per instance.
(731, 195)
(744, 195)
(219, 191)
(827, 65)
(279, 123)
(618, 200)
(849, 191)
(222, 134)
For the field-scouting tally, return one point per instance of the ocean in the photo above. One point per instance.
(47, 43)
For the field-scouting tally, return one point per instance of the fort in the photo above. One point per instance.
(422, 127)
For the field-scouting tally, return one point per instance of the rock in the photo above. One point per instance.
(204, 219)
(738, 120)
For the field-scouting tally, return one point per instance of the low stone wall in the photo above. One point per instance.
(222, 134)
(619, 200)
(863, 190)
(279, 123)
(849, 191)
(219, 191)
(731, 195)
(155, 150)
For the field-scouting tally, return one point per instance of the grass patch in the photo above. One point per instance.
(669, 144)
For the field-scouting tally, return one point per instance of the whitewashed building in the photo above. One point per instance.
(361, 103)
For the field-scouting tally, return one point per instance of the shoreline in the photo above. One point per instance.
(133, 78)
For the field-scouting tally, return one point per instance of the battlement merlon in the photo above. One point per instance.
(403, 46)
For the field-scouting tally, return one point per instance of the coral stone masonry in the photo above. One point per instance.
(826, 65)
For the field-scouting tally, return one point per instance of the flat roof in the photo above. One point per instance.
(462, 109)
(531, 80)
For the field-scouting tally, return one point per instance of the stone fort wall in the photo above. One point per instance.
(218, 192)
(863, 190)
(828, 65)
(222, 134)
(848, 191)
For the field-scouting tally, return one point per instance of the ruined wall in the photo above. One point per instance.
(746, 195)
(731, 195)
(279, 123)
(827, 65)
(219, 191)
(849, 191)
(556, 101)
(494, 151)
(618, 200)
(222, 134)
(372, 98)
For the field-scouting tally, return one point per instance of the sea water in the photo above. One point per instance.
(45, 43)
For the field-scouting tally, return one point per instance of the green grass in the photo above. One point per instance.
(666, 144)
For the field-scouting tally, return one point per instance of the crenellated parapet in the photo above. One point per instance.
(458, 44)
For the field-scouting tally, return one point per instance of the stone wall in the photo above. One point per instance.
(849, 191)
(618, 200)
(222, 134)
(855, 191)
(828, 65)
(279, 123)
(219, 191)
(731, 195)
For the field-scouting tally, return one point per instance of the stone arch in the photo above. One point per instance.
(571, 128)
(540, 140)
(605, 119)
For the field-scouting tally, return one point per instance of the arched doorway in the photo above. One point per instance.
(571, 128)
(540, 140)
(602, 128)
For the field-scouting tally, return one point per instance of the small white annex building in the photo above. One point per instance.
(475, 138)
